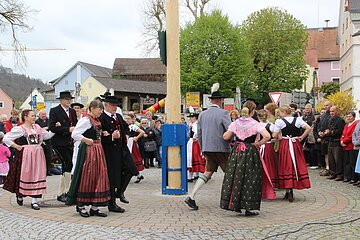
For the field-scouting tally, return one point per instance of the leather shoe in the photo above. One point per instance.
(97, 213)
(352, 182)
(346, 180)
(339, 179)
(291, 196)
(83, 213)
(251, 213)
(115, 208)
(139, 179)
(35, 206)
(191, 203)
(123, 198)
(62, 197)
(332, 177)
(19, 202)
(357, 183)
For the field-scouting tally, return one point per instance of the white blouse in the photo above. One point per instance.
(18, 131)
(280, 124)
(82, 125)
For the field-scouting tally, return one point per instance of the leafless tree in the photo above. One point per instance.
(14, 16)
(153, 14)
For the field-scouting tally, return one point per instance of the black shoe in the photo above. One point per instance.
(346, 180)
(139, 179)
(352, 181)
(123, 198)
(62, 198)
(115, 208)
(35, 206)
(291, 196)
(97, 213)
(251, 213)
(83, 212)
(19, 202)
(332, 177)
(190, 180)
(357, 183)
(191, 203)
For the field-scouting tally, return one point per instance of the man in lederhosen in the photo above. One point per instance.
(114, 143)
(62, 120)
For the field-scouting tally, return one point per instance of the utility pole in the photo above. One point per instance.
(173, 98)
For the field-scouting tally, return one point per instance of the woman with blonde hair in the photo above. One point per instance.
(267, 150)
(242, 185)
(292, 169)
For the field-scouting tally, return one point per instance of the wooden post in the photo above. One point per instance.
(173, 98)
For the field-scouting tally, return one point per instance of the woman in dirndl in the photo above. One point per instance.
(27, 175)
(196, 161)
(242, 186)
(90, 183)
(292, 169)
(267, 150)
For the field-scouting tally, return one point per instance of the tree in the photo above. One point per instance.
(329, 88)
(276, 43)
(342, 100)
(154, 15)
(13, 17)
(211, 51)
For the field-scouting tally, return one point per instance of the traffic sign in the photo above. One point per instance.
(275, 96)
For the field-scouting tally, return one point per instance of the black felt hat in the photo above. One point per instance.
(216, 94)
(65, 94)
(111, 99)
(193, 114)
(107, 93)
(76, 104)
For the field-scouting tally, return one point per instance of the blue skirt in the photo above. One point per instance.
(357, 167)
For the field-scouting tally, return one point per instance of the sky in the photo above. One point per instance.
(97, 32)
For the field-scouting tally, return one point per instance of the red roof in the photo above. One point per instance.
(322, 46)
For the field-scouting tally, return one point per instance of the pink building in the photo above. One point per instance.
(323, 54)
(6, 103)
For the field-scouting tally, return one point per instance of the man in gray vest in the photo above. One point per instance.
(212, 124)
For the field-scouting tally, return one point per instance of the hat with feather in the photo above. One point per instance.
(215, 93)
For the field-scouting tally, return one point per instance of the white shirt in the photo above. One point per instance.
(280, 124)
(82, 125)
(18, 131)
(66, 110)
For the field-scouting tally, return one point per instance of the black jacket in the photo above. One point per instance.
(62, 135)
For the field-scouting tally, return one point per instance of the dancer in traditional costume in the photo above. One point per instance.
(196, 161)
(243, 184)
(90, 183)
(27, 175)
(134, 135)
(267, 150)
(292, 169)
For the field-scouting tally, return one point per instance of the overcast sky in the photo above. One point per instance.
(97, 32)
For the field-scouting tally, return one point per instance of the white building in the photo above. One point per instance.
(349, 40)
(39, 101)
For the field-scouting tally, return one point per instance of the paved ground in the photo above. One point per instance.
(151, 215)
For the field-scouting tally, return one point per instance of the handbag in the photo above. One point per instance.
(150, 146)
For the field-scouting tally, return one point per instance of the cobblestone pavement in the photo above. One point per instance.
(151, 215)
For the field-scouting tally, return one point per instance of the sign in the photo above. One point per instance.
(229, 104)
(192, 99)
(33, 101)
(275, 96)
(40, 106)
(286, 99)
(206, 100)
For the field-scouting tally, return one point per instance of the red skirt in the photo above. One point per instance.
(198, 161)
(286, 170)
(270, 162)
(138, 160)
(94, 188)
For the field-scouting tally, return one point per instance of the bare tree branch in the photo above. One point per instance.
(14, 16)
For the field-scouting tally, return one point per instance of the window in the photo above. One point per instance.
(335, 79)
(335, 65)
(1, 104)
